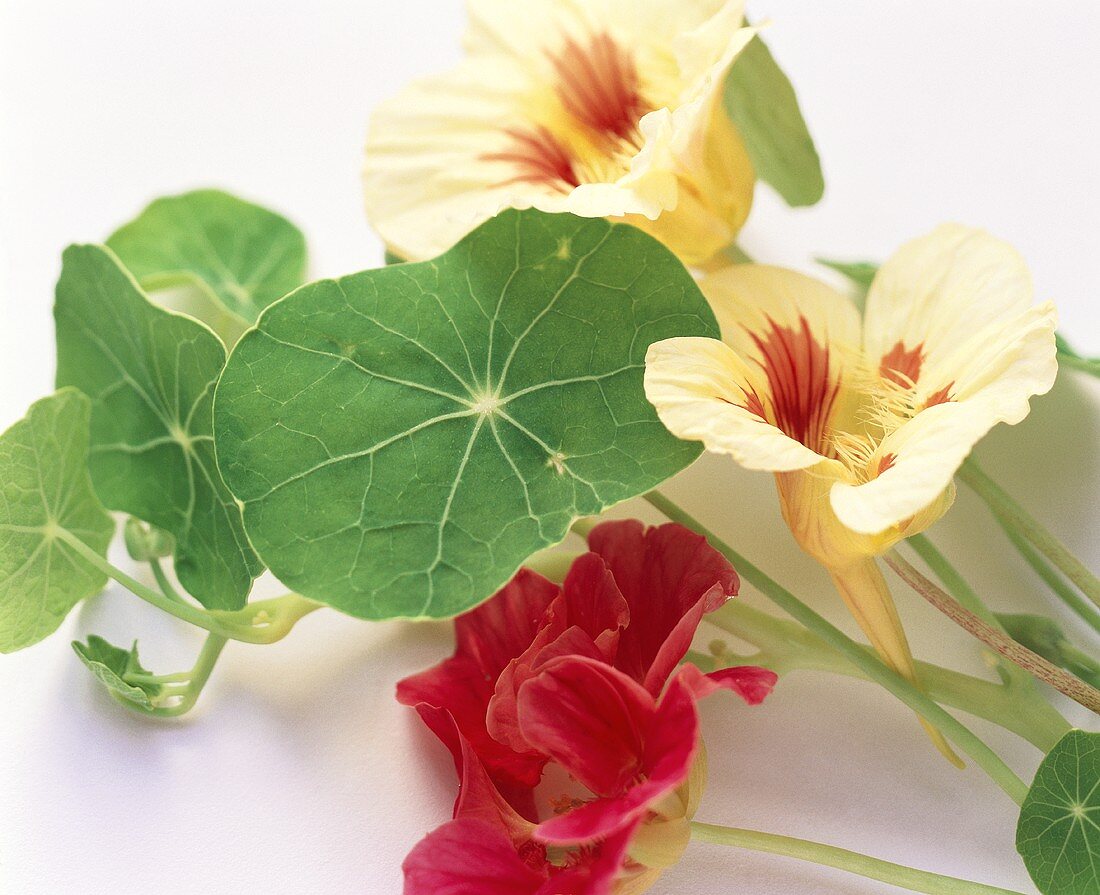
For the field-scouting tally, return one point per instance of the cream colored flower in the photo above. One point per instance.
(864, 423)
(602, 108)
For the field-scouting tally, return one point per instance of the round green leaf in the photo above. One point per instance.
(45, 491)
(1059, 830)
(403, 439)
(244, 256)
(150, 374)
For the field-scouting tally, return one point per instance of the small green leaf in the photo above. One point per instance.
(1058, 835)
(112, 666)
(145, 543)
(244, 256)
(762, 104)
(150, 374)
(403, 439)
(44, 490)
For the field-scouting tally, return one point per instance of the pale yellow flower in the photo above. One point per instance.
(602, 108)
(863, 422)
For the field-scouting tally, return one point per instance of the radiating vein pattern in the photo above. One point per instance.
(44, 489)
(403, 439)
(150, 374)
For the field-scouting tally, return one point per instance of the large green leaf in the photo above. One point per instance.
(150, 374)
(244, 256)
(1059, 830)
(114, 667)
(762, 104)
(403, 439)
(44, 494)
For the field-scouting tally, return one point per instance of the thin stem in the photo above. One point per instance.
(995, 638)
(163, 583)
(1084, 364)
(262, 622)
(1053, 580)
(983, 756)
(787, 647)
(183, 611)
(852, 862)
(1011, 515)
(199, 675)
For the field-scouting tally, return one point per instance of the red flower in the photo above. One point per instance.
(584, 675)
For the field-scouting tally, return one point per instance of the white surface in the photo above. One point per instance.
(299, 772)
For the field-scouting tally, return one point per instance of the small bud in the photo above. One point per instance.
(144, 542)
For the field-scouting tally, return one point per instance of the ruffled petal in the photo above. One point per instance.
(992, 383)
(704, 391)
(752, 683)
(469, 857)
(670, 577)
(652, 761)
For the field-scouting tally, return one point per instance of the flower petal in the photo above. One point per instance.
(589, 718)
(468, 857)
(992, 384)
(670, 577)
(704, 391)
(488, 638)
(937, 298)
(664, 748)
(751, 683)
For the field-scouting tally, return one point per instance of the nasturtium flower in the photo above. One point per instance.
(604, 108)
(585, 676)
(863, 422)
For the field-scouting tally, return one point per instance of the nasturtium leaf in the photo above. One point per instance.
(45, 492)
(403, 439)
(1058, 835)
(150, 374)
(112, 667)
(242, 255)
(762, 104)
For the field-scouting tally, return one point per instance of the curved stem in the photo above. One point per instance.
(852, 862)
(995, 638)
(199, 675)
(262, 622)
(983, 756)
(1011, 515)
(787, 647)
(163, 583)
(1084, 364)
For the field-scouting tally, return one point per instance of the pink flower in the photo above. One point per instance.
(584, 676)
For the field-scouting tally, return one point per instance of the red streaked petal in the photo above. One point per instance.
(468, 857)
(589, 718)
(751, 683)
(670, 578)
(504, 626)
(671, 739)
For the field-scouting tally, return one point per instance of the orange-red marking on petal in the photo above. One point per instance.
(901, 365)
(886, 462)
(538, 157)
(940, 397)
(599, 87)
(803, 388)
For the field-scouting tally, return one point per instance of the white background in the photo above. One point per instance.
(299, 773)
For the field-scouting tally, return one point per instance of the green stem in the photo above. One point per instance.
(995, 637)
(262, 622)
(852, 862)
(983, 756)
(1084, 364)
(787, 647)
(1011, 515)
(163, 583)
(1053, 580)
(199, 675)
